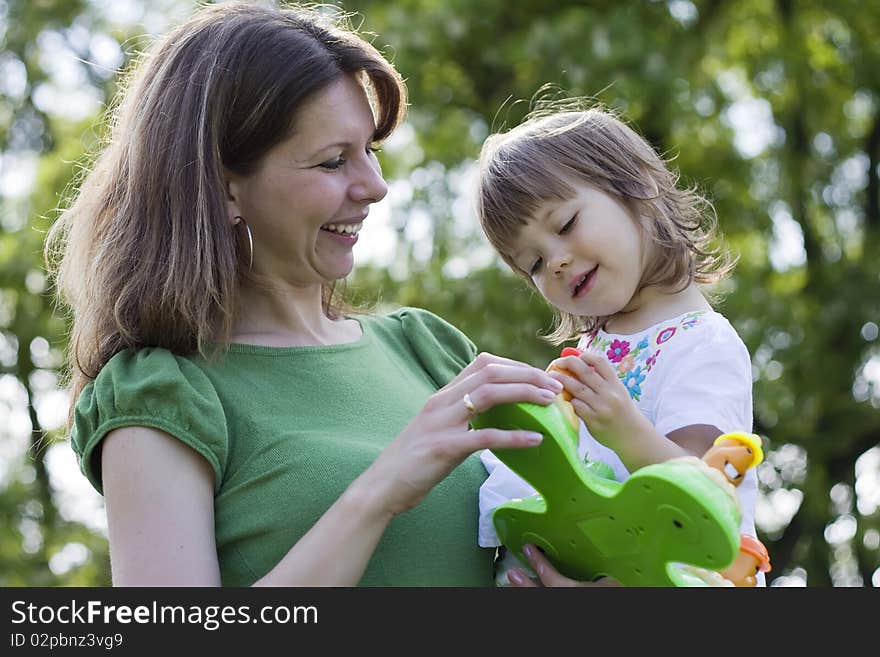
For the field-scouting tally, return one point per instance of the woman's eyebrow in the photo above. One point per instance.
(341, 145)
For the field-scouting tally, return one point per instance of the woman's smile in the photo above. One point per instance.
(344, 233)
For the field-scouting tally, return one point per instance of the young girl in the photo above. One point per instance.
(583, 208)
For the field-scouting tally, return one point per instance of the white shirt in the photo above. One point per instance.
(691, 369)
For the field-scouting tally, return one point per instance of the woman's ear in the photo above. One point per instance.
(232, 203)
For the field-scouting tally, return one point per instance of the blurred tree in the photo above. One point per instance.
(58, 63)
(771, 107)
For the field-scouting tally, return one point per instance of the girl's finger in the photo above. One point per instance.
(600, 365)
(583, 409)
(577, 368)
(576, 386)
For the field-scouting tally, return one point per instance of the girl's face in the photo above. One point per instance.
(307, 201)
(584, 254)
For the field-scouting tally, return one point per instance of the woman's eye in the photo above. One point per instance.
(567, 227)
(333, 164)
(373, 148)
(535, 267)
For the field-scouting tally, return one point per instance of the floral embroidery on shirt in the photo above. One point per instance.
(617, 350)
(634, 359)
(665, 334)
(633, 381)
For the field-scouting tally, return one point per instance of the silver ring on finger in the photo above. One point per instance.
(469, 404)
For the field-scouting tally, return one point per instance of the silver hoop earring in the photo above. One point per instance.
(250, 239)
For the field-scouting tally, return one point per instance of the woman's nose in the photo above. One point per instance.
(370, 185)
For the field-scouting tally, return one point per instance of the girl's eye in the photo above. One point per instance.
(535, 267)
(333, 164)
(567, 227)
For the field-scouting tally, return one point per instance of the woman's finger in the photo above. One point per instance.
(491, 438)
(488, 395)
(505, 373)
(484, 359)
(549, 576)
(519, 579)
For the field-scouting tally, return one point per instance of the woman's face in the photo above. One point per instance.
(306, 202)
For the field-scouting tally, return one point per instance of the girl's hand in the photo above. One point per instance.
(439, 438)
(599, 397)
(547, 574)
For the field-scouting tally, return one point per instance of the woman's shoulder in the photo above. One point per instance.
(441, 348)
(408, 315)
(417, 323)
(149, 367)
(148, 379)
(149, 387)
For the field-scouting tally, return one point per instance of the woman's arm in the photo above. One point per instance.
(159, 496)
(159, 492)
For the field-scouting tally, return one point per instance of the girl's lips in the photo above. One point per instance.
(583, 288)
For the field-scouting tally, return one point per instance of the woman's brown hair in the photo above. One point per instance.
(552, 150)
(144, 254)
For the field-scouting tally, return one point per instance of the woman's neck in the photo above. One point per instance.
(653, 305)
(291, 317)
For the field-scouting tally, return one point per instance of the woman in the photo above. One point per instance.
(244, 425)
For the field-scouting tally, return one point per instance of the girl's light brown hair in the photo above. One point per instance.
(551, 150)
(145, 255)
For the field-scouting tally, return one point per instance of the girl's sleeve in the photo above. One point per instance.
(713, 387)
(442, 349)
(150, 388)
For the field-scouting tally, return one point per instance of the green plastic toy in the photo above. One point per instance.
(646, 531)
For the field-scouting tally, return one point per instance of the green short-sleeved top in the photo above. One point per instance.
(286, 430)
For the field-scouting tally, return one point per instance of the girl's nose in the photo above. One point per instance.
(559, 264)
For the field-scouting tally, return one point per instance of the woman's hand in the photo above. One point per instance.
(439, 438)
(547, 574)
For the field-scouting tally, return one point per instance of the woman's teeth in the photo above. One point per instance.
(345, 229)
